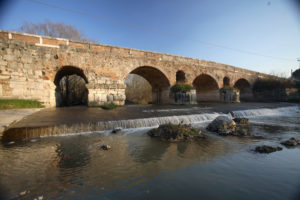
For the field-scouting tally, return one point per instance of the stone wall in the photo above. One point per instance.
(29, 65)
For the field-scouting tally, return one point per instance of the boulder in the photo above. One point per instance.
(223, 125)
(291, 142)
(174, 133)
(116, 130)
(242, 127)
(105, 147)
(267, 149)
(241, 121)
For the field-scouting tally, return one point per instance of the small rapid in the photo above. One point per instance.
(199, 119)
(252, 113)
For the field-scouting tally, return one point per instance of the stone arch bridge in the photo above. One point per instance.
(31, 67)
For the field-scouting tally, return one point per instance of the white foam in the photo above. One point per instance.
(291, 110)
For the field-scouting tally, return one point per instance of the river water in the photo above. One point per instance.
(140, 167)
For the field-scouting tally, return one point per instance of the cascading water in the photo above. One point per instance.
(63, 129)
(266, 111)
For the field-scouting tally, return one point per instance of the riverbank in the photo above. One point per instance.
(10, 116)
(60, 121)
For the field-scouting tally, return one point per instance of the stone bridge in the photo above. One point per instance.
(31, 67)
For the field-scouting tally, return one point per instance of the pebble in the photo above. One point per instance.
(105, 147)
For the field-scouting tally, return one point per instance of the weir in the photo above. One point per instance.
(176, 116)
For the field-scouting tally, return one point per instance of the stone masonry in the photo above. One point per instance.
(31, 65)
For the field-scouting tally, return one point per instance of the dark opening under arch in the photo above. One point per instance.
(158, 81)
(226, 81)
(71, 87)
(180, 77)
(245, 89)
(207, 88)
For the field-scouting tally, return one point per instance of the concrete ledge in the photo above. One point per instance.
(11, 116)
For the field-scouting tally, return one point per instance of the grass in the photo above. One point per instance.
(109, 106)
(19, 103)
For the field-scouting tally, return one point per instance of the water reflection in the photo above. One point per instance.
(75, 167)
(73, 152)
(151, 150)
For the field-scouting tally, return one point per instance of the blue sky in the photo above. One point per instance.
(181, 27)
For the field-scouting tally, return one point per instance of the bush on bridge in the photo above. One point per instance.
(182, 87)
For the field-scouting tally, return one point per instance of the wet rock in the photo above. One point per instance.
(24, 192)
(291, 142)
(39, 198)
(241, 121)
(116, 130)
(105, 147)
(243, 127)
(174, 133)
(223, 125)
(267, 149)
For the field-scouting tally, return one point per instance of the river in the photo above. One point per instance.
(140, 167)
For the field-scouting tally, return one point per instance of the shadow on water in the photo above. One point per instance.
(73, 152)
(150, 151)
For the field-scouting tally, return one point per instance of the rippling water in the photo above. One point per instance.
(139, 167)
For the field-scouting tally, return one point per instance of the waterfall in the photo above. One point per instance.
(156, 121)
(62, 129)
(291, 110)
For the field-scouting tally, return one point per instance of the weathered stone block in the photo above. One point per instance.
(110, 98)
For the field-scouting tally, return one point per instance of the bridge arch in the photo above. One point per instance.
(158, 81)
(207, 88)
(245, 89)
(71, 87)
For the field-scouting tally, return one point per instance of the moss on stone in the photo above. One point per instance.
(173, 132)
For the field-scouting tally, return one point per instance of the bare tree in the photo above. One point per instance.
(138, 89)
(60, 30)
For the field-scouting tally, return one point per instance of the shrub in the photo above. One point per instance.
(109, 106)
(181, 88)
(229, 88)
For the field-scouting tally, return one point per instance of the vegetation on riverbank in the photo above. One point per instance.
(19, 103)
(109, 106)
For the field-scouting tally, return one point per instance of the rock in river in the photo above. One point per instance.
(241, 121)
(291, 142)
(267, 149)
(105, 147)
(223, 125)
(116, 130)
(173, 133)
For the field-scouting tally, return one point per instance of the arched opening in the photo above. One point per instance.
(207, 88)
(138, 90)
(156, 79)
(226, 81)
(71, 87)
(180, 77)
(245, 89)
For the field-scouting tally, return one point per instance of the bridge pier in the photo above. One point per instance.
(161, 95)
(109, 92)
